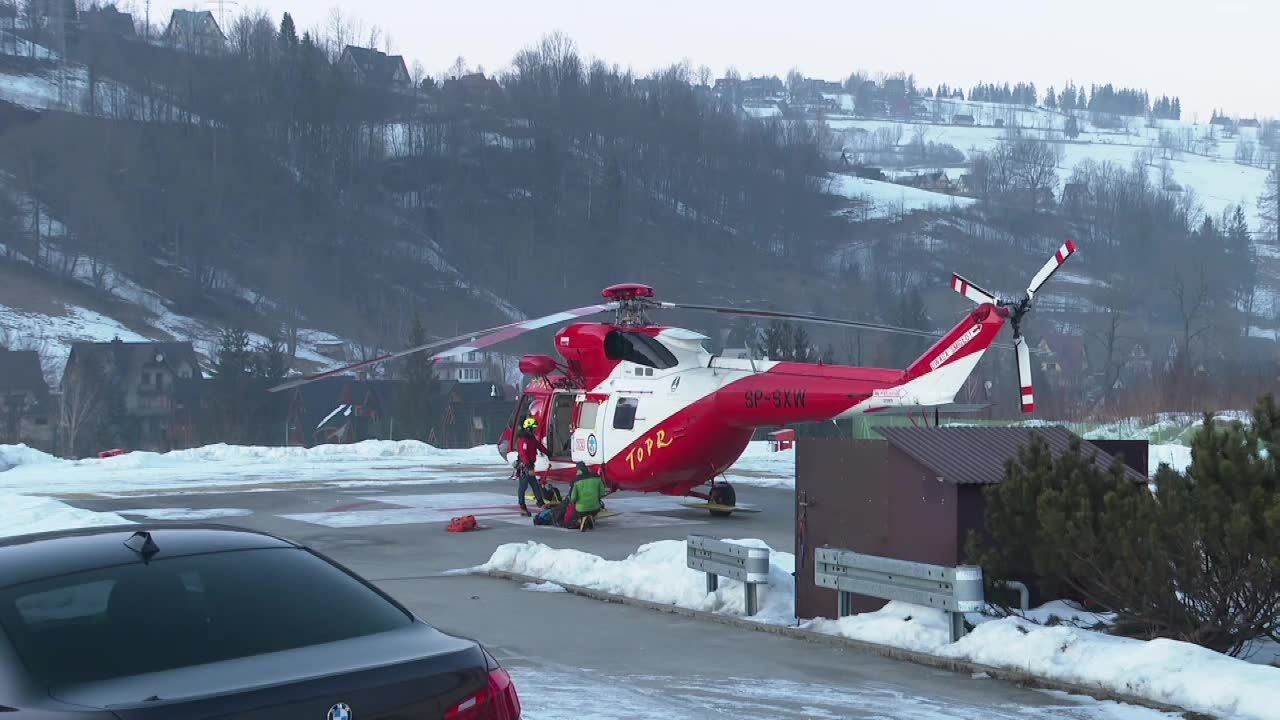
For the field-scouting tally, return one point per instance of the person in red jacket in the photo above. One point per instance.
(527, 449)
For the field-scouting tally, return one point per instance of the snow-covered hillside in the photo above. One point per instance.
(1205, 164)
(879, 199)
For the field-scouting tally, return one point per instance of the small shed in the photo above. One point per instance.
(783, 439)
(915, 495)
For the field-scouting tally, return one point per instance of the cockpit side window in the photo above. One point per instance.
(639, 349)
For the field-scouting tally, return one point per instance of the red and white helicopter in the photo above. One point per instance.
(651, 410)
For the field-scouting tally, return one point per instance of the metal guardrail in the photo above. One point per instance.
(957, 590)
(717, 558)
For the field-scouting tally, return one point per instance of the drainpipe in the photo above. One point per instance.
(1024, 594)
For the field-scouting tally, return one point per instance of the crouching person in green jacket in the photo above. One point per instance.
(585, 499)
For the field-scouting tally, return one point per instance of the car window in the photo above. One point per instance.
(141, 618)
(624, 416)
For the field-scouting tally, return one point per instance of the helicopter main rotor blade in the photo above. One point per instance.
(471, 342)
(816, 319)
(800, 317)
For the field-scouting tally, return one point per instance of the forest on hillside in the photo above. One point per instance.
(265, 187)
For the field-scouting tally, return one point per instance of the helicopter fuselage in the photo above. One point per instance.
(651, 410)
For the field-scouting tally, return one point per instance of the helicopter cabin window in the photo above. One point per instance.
(624, 416)
(587, 413)
(639, 349)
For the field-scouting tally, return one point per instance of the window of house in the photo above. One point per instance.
(470, 374)
(473, 357)
(624, 415)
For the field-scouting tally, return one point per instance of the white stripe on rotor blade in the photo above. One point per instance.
(548, 320)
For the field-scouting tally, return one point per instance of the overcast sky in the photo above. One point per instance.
(1213, 53)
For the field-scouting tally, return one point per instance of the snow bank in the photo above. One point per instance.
(1162, 671)
(655, 572)
(24, 515)
(12, 456)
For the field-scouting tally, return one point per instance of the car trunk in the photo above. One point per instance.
(409, 674)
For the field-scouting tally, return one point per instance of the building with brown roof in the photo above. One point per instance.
(27, 413)
(917, 495)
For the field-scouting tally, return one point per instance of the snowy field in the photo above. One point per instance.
(1211, 171)
(1162, 671)
(886, 199)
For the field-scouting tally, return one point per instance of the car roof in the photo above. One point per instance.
(26, 558)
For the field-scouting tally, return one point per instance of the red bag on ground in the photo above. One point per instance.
(462, 524)
(570, 515)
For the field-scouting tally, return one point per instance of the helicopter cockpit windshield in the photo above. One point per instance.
(639, 349)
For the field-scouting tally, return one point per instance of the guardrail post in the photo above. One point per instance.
(957, 625)
(954, 590)
(846, 604)
(717, 558)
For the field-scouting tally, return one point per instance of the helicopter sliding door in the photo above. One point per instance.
(588, 433)
(560, 426)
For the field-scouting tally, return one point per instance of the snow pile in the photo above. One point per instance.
(25, 515)
(655, 572)
(12, 456)
(1165, 671)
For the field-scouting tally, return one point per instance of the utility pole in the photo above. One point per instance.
(146, 29)
(222, 10)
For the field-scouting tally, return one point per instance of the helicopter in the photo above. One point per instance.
(649, 409)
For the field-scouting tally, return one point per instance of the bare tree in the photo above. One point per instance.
(1110, 339)
(704, 75)
(80, 405)
(1269, 205)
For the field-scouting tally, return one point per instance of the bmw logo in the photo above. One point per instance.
(591, 445)
(341, 711)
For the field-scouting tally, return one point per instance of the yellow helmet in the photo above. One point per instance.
(530, 423)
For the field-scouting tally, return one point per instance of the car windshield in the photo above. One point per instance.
(180, 612)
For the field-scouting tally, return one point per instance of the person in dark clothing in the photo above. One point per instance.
(527, 449)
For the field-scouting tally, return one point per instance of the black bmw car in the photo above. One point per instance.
(198, 621)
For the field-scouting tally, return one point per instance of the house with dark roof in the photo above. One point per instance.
(136, 380)
(341, 410)
(27, 413)
(367, 66)
(473, 88)
(474, 414)
(916, 495)
(195, 31)
(108, 20)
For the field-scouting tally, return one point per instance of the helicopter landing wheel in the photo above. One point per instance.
(722, 494)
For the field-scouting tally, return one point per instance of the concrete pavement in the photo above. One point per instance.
(576, 657)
